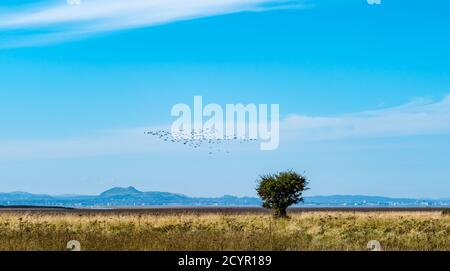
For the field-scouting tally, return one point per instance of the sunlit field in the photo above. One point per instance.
(209, 231)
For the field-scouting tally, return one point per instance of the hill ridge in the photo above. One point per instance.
(130, 196)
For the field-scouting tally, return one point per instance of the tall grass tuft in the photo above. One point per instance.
(184, 232)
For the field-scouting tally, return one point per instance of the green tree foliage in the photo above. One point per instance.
(281, 190)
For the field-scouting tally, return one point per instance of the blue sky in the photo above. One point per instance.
(79, 84)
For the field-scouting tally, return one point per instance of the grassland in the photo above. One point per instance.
(214, 231)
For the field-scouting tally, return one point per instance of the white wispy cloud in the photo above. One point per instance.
(112, 142)
(420, 117)
(53, 21)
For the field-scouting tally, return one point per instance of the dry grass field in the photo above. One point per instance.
(317, 230)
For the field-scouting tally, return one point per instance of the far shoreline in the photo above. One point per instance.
(157, 210)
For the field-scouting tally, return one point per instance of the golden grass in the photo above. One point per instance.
(308, 231)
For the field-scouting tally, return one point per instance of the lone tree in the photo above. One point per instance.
(281, 190)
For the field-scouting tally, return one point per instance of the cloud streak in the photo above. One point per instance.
(420, 117)
(50, 22)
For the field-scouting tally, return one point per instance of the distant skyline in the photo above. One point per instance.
(364, 94)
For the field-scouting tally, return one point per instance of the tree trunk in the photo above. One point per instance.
(280, 213)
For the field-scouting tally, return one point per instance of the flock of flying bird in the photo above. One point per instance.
(200, 138)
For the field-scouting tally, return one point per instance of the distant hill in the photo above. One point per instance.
(130, 196)
(120, 191)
